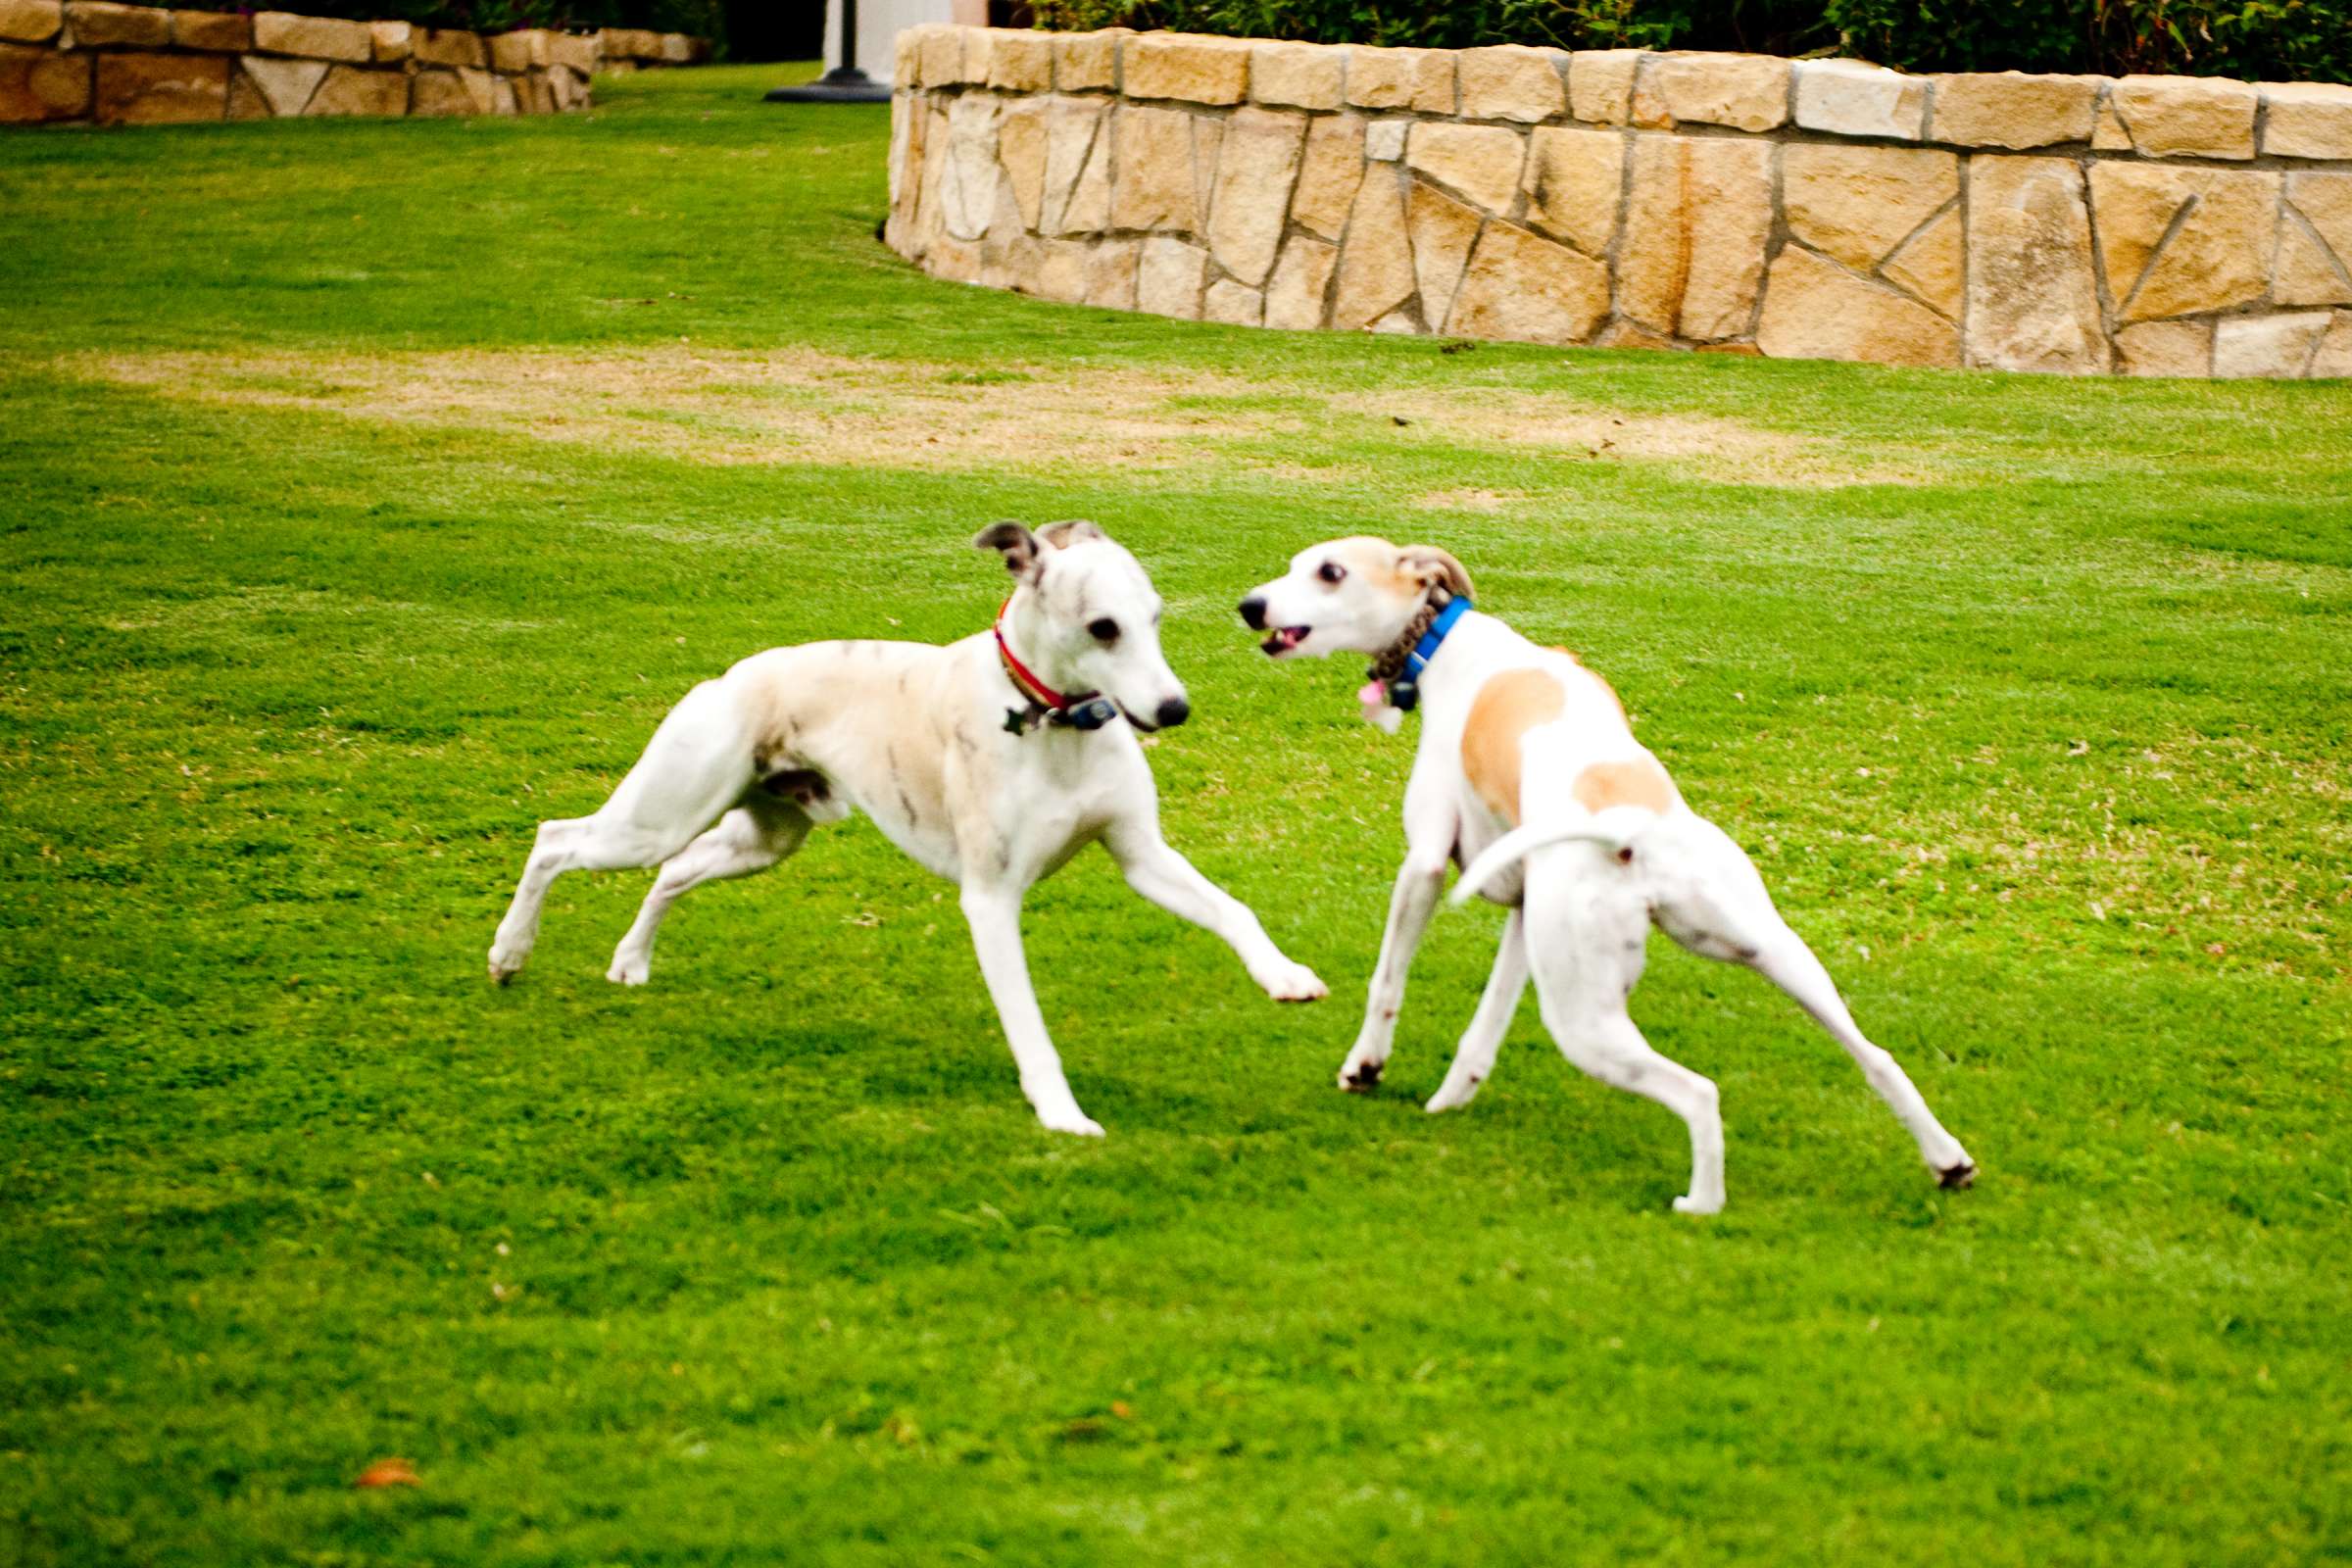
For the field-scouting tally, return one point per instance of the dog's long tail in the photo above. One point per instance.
(1614, 829)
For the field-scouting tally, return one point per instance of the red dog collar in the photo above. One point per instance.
(1078, 709)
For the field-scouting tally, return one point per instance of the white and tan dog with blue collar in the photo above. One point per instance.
(970, 757)
(1528, 772)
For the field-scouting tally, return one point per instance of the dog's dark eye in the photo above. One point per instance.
(1331, 572)
(1106, 631)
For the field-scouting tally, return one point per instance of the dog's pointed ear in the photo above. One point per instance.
(1432, 568)
(1022, 555)
(1062, 535)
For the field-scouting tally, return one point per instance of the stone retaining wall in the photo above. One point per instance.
(86, 61)
(2154, 225)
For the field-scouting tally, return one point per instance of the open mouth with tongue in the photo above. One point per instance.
(1283, 639)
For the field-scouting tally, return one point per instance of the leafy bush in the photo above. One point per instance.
(2263, 40)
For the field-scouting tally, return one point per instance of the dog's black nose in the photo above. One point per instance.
(1173, 712)
(1253, 612)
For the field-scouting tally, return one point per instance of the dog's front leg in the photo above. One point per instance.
(1418, 882)
(1156, 871)
(994, 916)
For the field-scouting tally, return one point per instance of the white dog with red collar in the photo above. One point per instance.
(1529, 773)
(970, 757)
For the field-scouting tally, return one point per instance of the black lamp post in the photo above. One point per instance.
(845, 83)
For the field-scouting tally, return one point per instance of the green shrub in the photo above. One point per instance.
(2263, 40)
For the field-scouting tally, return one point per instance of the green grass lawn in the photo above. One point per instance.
(368, 490)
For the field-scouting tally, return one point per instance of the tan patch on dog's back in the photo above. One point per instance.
(1638, 782)
(1507, 708)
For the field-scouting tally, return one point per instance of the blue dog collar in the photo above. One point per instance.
(1427, 648)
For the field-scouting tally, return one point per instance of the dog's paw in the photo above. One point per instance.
(1687, 1205)
(633, 970)
(1360, 1077)
(505, 963)
(1294, 982)
(1448, 1098)
(1073, 1122)
(1961, 1173)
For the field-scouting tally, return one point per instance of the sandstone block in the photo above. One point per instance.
(1329, 172)
(1696, 227)
(354, 90)
(447, 46)
(516, 52)
(245, 99)
(30, 20)
(1021, 134)
(1482, 163)
(1153, 187)
(1441, 231)
(956, 259)
(1856, 204)
(159, 89)
(37, 85)
(1088, 61)
(277, 32)
(2307, 119)
(1301, 282)
(1855, 99)
(2320, 202)
(1169, 278)
(1401, 79)
(2107, 132)
(939, 56)
(1376, 263)
(1061, 271)
(2280, 347)
(967, 183)
(1750, 92)
(1601, 86)
(2012, 108)
(534, 92)
(1511, 81)
(573, 51)
(2165, 347)
(1233, 304)
(1521, 286)
(1398, 323)
(1383, 141)
(636, 43)
(1190, 67)
(1077, 197)
(2218, 255)
(682, 49)
(1816, 309)
(2032, 300)
(566, 89)
(284, 86)
(1298, 75)
(1020, 62)
(1110, 274)
(1256, 166)
(220, 32)
(390, 41)
(1573, 181)
(1932, 263)
(97, 24)
(2203, 115)
(2334, 355)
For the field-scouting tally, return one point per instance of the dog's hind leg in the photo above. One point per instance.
(1474, 1059)
(750, 838)
(1714, 903)
(1586, 945)
(697, 763)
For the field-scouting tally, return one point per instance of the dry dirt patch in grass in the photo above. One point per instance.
(800, 406)
(1721, 450)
